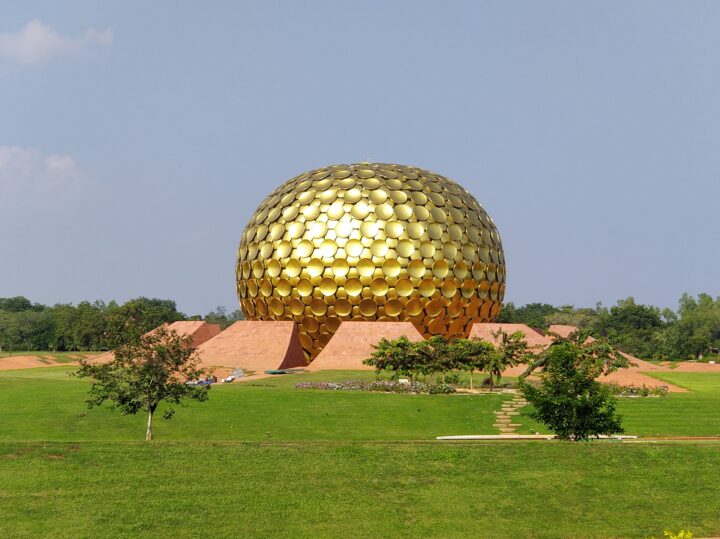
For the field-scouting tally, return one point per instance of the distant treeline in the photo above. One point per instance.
(642, 330)
(25, 325)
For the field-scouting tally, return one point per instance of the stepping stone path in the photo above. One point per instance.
(503, 418)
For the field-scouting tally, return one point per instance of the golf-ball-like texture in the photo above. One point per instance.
(370, 241)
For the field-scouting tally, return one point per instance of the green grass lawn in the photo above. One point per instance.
(695, 413)
(47, 404)
(357, 490)
(263, 459)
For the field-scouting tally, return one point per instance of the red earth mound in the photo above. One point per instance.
(485, 332)
(27, 362)
(199, 331)
(353, 342)
(255, 346)
(688, 366)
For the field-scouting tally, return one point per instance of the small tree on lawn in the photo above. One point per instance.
(398, 356)
(510, 350)
(432, 356)
(145, 372)
(471, 355)
(569, 399)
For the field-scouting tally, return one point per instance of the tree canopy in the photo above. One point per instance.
(642, 330)
(691, 331)
(144, 373)
(569, 400)
(25, 325)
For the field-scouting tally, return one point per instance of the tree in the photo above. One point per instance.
(90, 325)
(630, 326)
(569, 399)
(221, 317)
(18, 304)
(510, 351)
(144, 373)
(532, 314)
(695, 331)
(138, 316)
(581, 318)
(432, 356)
(399, 356)
(471, 355)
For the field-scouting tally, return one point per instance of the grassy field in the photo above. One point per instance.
(357, 490)
(49, 405)
(264, 459)
(695, 413)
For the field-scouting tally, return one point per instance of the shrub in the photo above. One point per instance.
(384, 386)
(451, 378)
(569, 400)
(440, 388)
(638, 391)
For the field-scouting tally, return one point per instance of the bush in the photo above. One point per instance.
(638, 391)
(383, 386)
(502, 384)
(440, 388)
(451, 378)
(569, 401)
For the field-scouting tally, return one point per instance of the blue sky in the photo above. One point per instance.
(137, 138)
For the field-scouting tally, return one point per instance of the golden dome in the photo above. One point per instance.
(370, 241)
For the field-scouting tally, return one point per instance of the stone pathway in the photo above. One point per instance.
(503, 418)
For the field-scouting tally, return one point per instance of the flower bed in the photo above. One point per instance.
(383, 386)
(638, 391)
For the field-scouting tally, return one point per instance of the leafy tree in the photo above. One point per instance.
(569, 399)
(89, 326)
(144, 373)
(532, 314)
(507, 313)
(136, 317)
(510, 350)
(582, 318)
(695, 330)
(65, 317)
(432, 356)
(220, 316)
(398, 355)
(18, 304)
(471, 355)
(9, 330)
(631, 327)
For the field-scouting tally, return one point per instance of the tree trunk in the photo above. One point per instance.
(471, 373)
(149, 432)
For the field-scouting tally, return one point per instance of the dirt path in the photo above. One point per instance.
(29, 362)
(695, 367)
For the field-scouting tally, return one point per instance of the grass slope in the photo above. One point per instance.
(695, 413)
(359, 490)
(47, 404)
(342, 464)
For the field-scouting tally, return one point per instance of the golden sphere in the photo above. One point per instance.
(370, 241)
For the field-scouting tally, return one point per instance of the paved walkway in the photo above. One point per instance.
(504, 418)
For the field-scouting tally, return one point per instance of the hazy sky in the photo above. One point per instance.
(137, 138)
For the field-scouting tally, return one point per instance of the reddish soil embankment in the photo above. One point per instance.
(353, 342)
